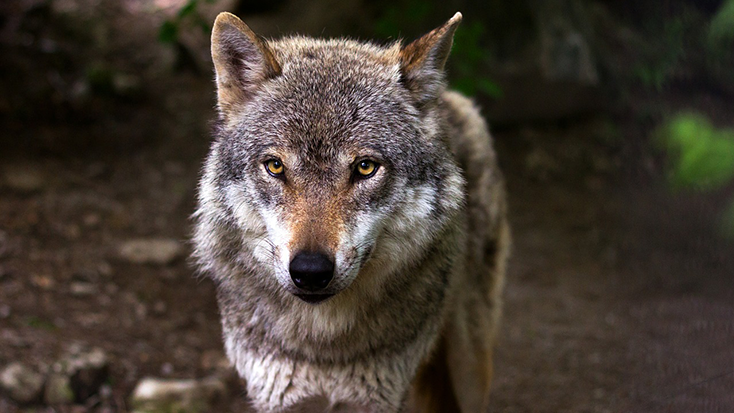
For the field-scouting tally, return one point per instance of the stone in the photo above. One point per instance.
(85, 369)
(13, 339)
(24, 178)
(43, 282)
(157, 251)
(154, 395)
(93, 273)
(83, 289)
(21, 383)
(167, 369)
(126, 84)
(58, 389)
(160, 307)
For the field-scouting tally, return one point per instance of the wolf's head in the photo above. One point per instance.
(330, 160)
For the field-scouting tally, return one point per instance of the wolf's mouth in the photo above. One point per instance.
(314, 298)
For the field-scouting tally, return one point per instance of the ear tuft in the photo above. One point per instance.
(422, 61)
(242, 61)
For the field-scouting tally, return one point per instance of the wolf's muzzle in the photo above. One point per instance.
(311, 271)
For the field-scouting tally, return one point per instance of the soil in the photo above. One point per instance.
(619, 293)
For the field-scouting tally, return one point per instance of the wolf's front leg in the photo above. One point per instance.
(347, 408)
(322, 405)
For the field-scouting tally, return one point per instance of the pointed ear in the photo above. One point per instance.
(242, 61)
(422, 61)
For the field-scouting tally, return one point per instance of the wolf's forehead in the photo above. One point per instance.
(332, 97)
(338, 60)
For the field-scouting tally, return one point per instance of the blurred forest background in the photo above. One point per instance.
(614, 126)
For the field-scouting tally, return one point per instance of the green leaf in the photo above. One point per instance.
(40, 323)
(168, 32)
(417, 10)
(202, 23)
(387, 25)
(721, 28)
(489, 88)
(465, 85)
(188, 8)
(701, 156)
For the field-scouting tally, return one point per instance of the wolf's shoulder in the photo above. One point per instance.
(468, 132)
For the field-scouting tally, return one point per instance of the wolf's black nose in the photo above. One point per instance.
(311, 271)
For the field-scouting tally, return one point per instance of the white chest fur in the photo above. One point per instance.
(276, 383)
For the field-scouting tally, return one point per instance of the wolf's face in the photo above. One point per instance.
(327, 157)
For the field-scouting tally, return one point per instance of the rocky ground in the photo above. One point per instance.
(619, 294)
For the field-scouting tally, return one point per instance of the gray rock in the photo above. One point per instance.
(5, 311)
(21, 383)
(93, 273)
(58, 389)
(151, 251)
(564, 30)
(23, 177)
(167, 369)
(84, 369)
(13, 339)
(160, 307)
(83, 289)
(126, 84)
(153, 395)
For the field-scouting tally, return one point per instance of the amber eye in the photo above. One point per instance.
(274, 167)
(366, 169)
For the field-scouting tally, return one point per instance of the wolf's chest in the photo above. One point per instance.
(276, 383)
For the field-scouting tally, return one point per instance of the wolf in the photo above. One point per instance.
(352, 215)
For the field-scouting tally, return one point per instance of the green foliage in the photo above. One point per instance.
(721, 28)
(403, 16)
(100, 78)
(39, 323)
(690, 42)
(468, 57)
(701, 155)
(168, 32)
(720, 42)
(664, 54)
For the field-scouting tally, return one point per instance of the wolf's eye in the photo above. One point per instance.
(274, 167)
(366, 169)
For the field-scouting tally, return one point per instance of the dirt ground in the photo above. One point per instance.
(619, 297)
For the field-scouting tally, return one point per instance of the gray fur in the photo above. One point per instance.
(419, 248)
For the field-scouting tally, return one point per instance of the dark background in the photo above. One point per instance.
(612, 122)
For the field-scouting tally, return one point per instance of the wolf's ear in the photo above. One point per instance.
(242, 60)
(422, 61)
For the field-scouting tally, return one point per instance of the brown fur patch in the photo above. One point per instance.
(432, 48)
(315, 226)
